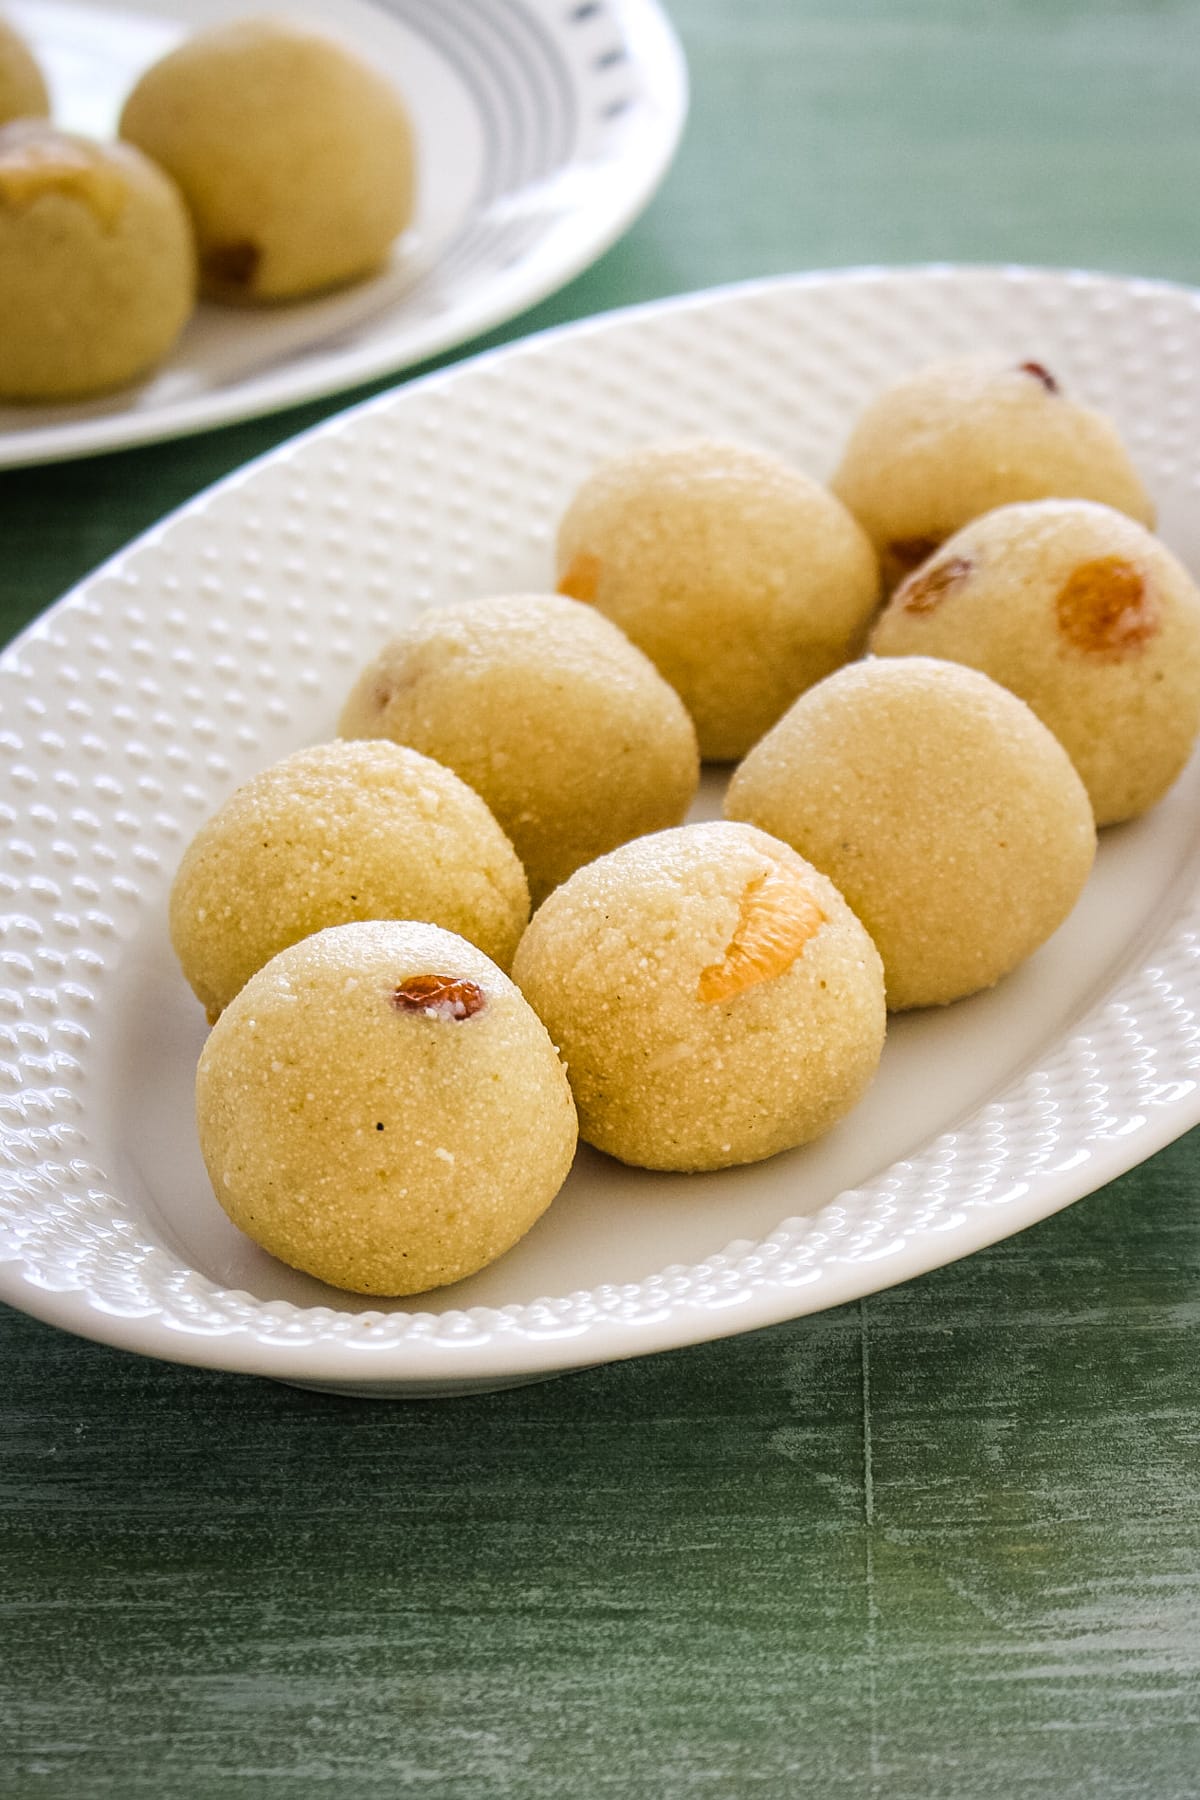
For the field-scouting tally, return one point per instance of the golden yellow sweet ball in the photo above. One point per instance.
(295, 157)
(547, 710)
(965, 435)
(23, 92)
(741, 579)
(380, 1108)
(947, 814)
(333, 834)
(713, 996)
(97, 264)
(1086, 616)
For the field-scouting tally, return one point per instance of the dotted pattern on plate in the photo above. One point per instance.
(228, 635)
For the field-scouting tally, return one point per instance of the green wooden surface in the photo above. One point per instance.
(941, 1546)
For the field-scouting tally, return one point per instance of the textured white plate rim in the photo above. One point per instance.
(499, 298)
(493, 1347)
(474, 1359)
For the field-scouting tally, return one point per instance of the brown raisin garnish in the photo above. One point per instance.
(439, 996)
(1041, 373)
(580, 580)
(1107, 608)
(924, 590)
(232, 265)
(909, 553)
(776, 918)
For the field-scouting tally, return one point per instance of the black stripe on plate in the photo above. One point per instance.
(476, 75)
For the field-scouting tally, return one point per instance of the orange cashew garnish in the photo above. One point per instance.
(776, 919)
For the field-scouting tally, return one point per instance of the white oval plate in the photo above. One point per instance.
(544, 127)
(229, 636)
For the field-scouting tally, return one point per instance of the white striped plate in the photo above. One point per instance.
(544, 127)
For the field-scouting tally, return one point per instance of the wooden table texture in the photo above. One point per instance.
(941, 1545)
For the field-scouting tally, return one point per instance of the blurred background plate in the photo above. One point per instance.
(544, 127)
